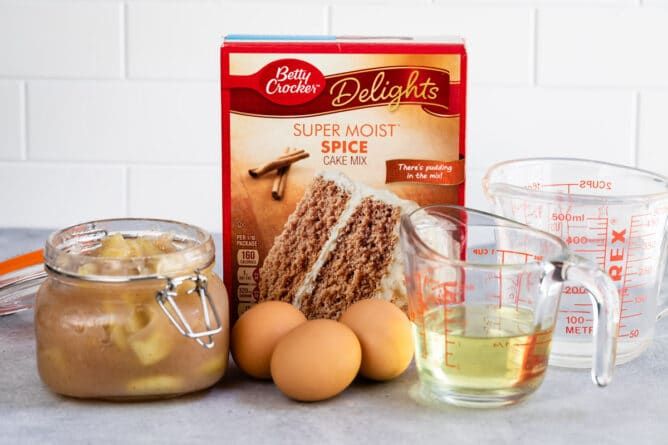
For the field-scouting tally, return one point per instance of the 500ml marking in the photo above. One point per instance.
(568, 217)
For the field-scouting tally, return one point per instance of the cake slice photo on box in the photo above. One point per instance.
(339, 246)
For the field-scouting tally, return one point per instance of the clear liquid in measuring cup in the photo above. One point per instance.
(481, 350)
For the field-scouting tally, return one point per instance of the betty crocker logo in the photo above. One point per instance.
(291, 82)
(292, 87)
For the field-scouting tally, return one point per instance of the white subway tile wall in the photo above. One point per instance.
(133, 121)
(499, 40)
(79, 39)
(111, 108)
(10, 120)
(653, 130)
(180, 40)
(536, 121)
(188, 194)
(60, 194)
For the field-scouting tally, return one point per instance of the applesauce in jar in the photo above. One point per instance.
(131, 309)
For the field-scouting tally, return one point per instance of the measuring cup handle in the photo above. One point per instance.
(605, 302)
(662, 299)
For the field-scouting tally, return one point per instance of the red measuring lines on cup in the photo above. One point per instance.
(610, 214)
(483, 297)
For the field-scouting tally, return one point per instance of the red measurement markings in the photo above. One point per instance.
(447, 342)
(568, 186)
(503, 260)
(526, 256)
(519, 285)
(596, 247)
(448, 291)
(544, 342)
(605, 238)
(449, 354)
(623, 289)
(643, 235)
(461, 324)
(630, 316)
(624, 316)
(632, 268)
(637, 260)
(598, 226)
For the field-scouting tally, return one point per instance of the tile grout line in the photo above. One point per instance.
(636, 128)
(126, 195)
(112, 79)
(124, 40)
(328, 19)
(214, 81)
(23, 144)
(534, 48)
(108, 164)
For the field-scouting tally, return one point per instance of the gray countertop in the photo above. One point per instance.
(567, 408)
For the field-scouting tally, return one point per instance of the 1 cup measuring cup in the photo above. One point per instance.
(611, 214)
(483, 296)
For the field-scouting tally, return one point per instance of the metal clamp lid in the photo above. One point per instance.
(166, 300)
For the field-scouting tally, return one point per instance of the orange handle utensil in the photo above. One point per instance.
(22, 261)
(17, 292)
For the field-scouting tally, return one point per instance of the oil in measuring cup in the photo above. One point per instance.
(481, 349)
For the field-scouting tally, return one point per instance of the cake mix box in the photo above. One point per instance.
(327, 141)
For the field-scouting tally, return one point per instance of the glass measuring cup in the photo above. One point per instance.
(483, 296)
(611, 214)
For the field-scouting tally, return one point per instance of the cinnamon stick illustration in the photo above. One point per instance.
(283, 161)
(278, 187)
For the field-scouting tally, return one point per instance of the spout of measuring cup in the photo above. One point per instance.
(487, 180)
(605, 302)
(662, 303)
(498, 181)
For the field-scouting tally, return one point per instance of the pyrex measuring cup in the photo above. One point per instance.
(613, 215)
(483, 296)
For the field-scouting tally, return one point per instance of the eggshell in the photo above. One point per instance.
(384, 332)
(256, 333)
(316, 360)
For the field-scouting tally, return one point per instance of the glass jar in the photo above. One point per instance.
(131, 328)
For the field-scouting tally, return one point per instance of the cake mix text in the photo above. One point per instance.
(345, 144)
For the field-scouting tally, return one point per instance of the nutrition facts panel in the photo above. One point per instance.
(248, 271)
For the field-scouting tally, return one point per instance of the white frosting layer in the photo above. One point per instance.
(392, 284)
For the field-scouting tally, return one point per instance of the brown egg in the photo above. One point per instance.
(316, 360)
(257, 332)
(384, 332)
